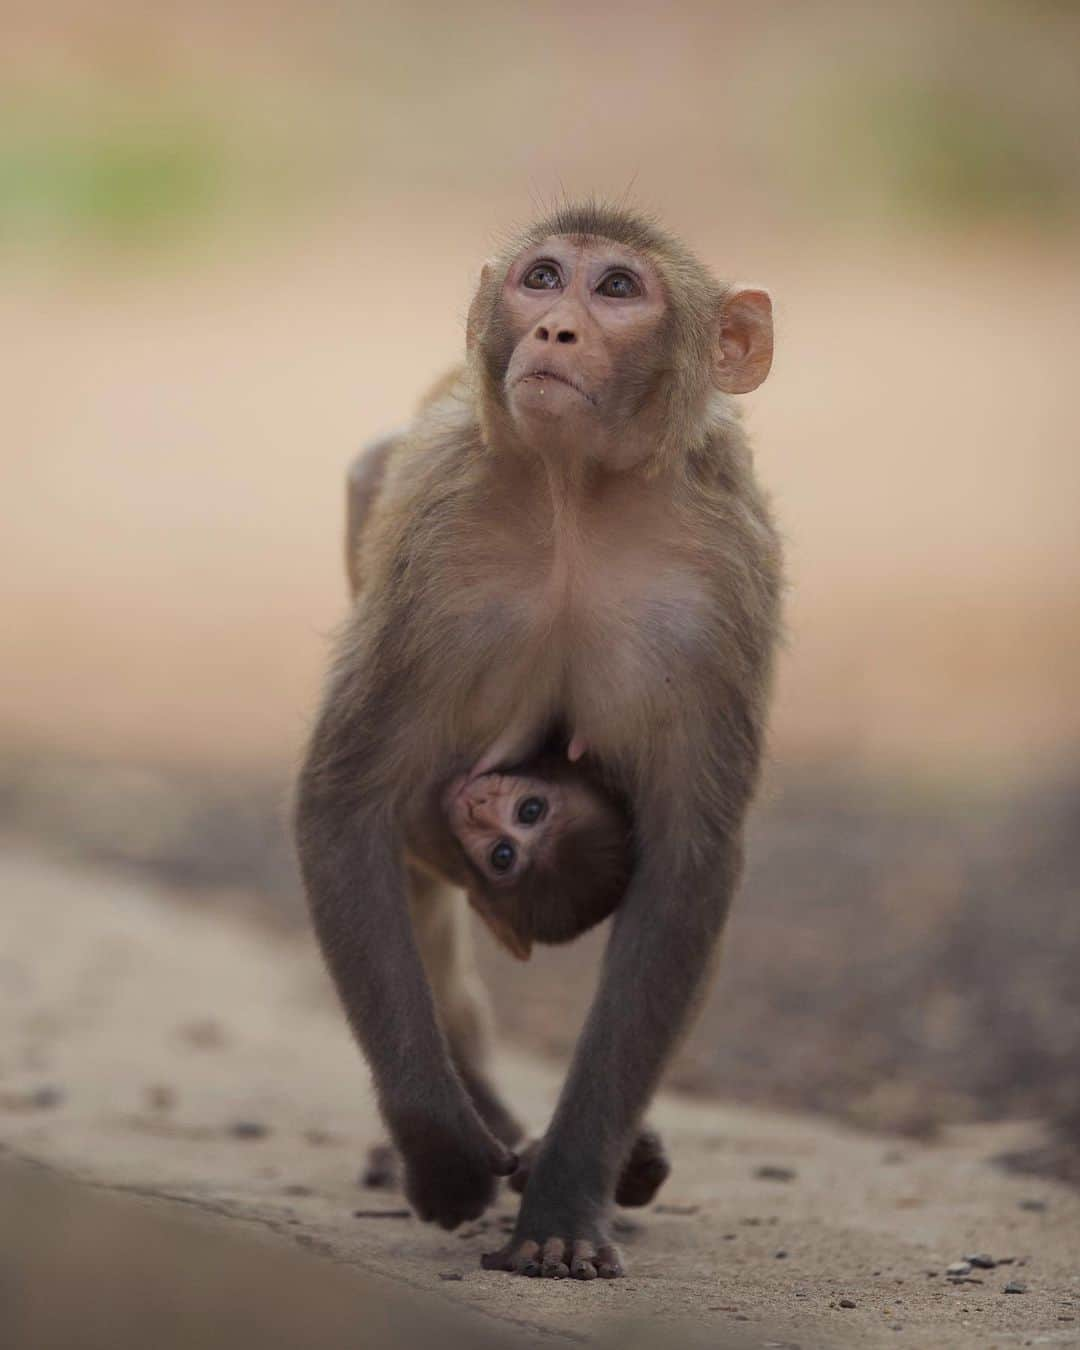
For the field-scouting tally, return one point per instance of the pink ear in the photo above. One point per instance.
(745, 341)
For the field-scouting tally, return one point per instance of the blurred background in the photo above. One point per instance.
(236, 242)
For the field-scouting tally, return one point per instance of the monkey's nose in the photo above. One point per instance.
(544, 333)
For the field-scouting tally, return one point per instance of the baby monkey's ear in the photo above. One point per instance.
(517, 944)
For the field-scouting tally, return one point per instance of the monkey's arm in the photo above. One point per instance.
(516, 745)
(365, 478)
(351, 856)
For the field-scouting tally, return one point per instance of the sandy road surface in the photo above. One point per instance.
(151, 1046)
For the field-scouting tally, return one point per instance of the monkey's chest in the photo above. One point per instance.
(602, 642)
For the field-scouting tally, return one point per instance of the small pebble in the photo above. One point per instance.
(451, 1275)
(959, 1268)
(296, 1189)
(1015, 1287)
(847, 1303)
(381, 1213)
(781, 1255)
(204, 1034)
(1034, 1206)
(676, 1209)
(160, 1097)
(248, 1129)
(982, 1260)
(773, 1172)
(37, 1099)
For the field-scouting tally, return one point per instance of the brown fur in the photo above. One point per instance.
(502, 582)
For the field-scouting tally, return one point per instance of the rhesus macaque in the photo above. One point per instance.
(568, 535)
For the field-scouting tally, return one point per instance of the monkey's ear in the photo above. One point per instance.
(479, 300)
(744, 341)
(516, 944)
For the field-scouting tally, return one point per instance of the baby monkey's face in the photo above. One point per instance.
(507, 823)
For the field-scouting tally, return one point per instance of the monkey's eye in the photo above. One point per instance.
(502, 856)
(542, 277)
(531, 810)
(619, 286)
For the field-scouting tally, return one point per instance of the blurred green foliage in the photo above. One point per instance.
(122, 176)
(942, 151)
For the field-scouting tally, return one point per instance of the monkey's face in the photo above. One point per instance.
(575, 345)
(504, 822)
(509, 827)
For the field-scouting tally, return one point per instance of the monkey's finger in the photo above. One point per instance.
(504, 1161)
(608, 1263)
(582, 1265)
(554, 1261)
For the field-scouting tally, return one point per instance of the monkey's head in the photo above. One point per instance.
(598, 333)
(548, 853)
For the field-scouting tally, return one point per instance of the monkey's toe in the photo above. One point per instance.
(557, 1259)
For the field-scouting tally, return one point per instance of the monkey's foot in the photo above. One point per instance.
(556, 1258)
(384, 1169)
(643, 1173)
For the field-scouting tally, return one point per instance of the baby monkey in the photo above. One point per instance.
(547, 849)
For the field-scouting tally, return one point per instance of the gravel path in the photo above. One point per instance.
(151, 1046)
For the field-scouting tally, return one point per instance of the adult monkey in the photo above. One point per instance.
(572, 534)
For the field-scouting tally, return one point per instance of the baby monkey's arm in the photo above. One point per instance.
(517, 744)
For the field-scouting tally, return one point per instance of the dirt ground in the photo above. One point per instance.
(146, 1045)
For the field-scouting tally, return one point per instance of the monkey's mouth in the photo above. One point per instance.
(544, 373)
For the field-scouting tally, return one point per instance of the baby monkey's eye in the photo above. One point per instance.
(531, 810)
(542, 277)
(502, 856)
(619, 286)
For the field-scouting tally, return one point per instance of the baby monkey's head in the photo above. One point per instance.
(548, 851)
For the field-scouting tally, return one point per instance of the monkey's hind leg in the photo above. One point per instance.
(441, 926)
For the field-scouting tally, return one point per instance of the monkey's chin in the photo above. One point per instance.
(545, 398)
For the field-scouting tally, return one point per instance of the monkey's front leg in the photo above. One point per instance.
(351, 859)
(660, 951)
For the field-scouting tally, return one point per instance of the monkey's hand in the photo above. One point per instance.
(451, 1166)
(561, 1231)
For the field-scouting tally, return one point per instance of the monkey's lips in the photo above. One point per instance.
(542, 374)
